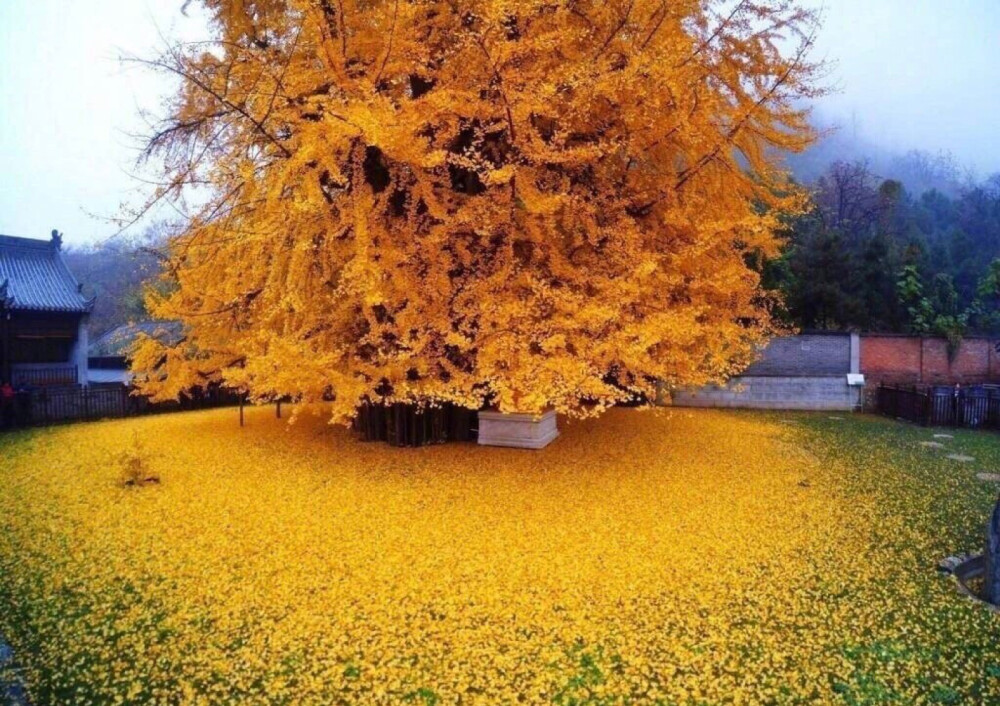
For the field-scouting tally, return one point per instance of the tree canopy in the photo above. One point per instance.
(527, 204)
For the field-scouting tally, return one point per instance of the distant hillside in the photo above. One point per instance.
(114, 273)
(918, 170)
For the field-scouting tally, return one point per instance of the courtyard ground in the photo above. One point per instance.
(679, 557)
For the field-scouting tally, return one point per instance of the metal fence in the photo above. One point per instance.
(49, 405)
(972, 407)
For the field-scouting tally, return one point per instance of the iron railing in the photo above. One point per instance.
(49, 375)
(52, 405)
(972, 407)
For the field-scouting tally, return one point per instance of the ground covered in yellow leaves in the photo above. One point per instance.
(679, 558)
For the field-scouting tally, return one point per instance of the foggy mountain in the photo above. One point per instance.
(917, 169)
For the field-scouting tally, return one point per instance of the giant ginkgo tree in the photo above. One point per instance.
(521, 203)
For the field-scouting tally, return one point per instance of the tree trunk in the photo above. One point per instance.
(408, 425)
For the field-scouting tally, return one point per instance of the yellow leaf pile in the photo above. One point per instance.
(646, 558)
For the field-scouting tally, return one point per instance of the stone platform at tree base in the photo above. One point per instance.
(521, 431)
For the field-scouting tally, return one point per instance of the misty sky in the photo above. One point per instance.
(910, 74)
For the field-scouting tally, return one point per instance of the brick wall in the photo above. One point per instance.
(891, 359)
(810, 371)
(916, 360)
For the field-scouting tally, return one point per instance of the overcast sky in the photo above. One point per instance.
(910, 73)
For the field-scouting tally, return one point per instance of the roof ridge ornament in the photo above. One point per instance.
(57, 239)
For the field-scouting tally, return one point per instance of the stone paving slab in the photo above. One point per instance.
(931, 445)
(960, 458)
(12, 691)
(989, 477)
(944, 436)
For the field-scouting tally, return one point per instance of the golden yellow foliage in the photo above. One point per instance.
(643, 558)
(529, 204)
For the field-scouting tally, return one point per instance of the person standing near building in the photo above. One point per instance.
(7, 404)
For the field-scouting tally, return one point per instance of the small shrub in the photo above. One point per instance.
(134, 464)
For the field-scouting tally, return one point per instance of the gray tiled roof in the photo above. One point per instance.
(34, 277)
(119, 340)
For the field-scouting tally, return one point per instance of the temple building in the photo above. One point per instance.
(43, 315)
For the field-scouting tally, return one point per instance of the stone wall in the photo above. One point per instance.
(751, 392)
(807, 372)
(804, 355)
(810, 371)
